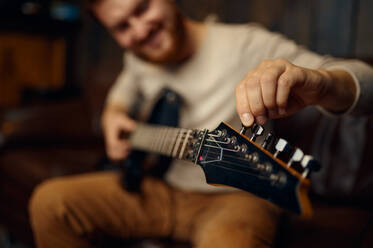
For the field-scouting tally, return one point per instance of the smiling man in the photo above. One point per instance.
(218, 70)
(152, 30)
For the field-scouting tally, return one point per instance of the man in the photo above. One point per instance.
(202, 62)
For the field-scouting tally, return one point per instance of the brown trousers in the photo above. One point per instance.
(78, 211)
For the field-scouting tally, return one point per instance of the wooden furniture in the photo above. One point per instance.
(30, 62)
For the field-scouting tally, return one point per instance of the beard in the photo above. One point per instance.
(171, 54)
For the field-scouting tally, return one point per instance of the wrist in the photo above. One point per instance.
(115, 107)
(339, 90)
(110, 111)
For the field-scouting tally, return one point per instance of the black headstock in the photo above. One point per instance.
(229, 158)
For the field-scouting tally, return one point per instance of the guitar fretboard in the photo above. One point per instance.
(168, 141)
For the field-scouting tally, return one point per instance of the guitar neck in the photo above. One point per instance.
(169, 141)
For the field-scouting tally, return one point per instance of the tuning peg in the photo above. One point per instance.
(257, 130)
(296, 157)
(281, 146)
(309, 164)
(243, 129)
(268, 139)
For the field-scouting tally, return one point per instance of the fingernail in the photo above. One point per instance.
(261, 120)
(282, 111)
(247, 119)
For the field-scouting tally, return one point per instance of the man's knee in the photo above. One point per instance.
(231, 235)
(48, 199)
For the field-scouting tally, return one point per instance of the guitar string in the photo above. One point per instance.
(242, 172)
(159, 145)
(232, 163)
(183, 137)
(166, 139)
(229, 156)
(177, 143)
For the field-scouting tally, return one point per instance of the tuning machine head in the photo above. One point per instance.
(257, 130)
(282, 146)
(296, 157)
(309, 164)
(243, 129)
(267, 141)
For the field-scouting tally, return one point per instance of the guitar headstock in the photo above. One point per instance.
(229, 158)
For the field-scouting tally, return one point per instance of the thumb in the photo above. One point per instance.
(126, 123)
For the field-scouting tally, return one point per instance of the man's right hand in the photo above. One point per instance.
(114, 122)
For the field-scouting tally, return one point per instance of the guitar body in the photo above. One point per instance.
(166, 113)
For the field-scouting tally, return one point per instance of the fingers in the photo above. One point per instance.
(283, 91)
(118, 151)
(126, 123)
(114, 123)
(242, 105)
(269, 88)
(254, 94)
(116, 148)
(265, 91)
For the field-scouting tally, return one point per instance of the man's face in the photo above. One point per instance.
(152, 29)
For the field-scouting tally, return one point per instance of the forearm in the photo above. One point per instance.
(111, 110)
(115, 107)
(340, 92)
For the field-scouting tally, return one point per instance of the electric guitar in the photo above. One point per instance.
(230, 158)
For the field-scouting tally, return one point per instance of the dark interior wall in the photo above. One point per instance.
(364, 32)
(336, 27)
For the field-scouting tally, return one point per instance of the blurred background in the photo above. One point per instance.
(56, 65)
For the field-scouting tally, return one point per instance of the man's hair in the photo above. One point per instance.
(88, 3)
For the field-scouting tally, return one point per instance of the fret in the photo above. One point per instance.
(156, 140)
(182, 138)
(184, 144)
(177, 143)
(161, 134)
(164, 141)
(170, 141)
(167, 141)
(161, 139)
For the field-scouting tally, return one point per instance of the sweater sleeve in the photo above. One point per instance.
(124, 91)
(274, 46)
